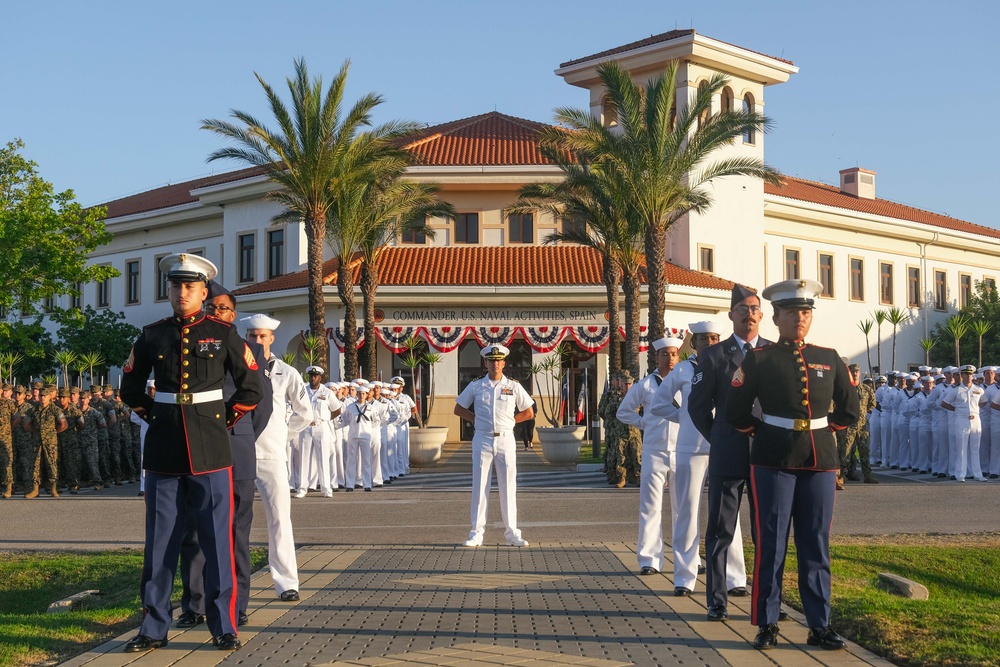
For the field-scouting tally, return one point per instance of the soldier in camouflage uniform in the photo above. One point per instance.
(857, 436)
(46, 422)
(93, 423)
(7, 409)
(103, 447)
(69, 442)
(24, 459)
(623, 443)
(114, 437)
(124, 439)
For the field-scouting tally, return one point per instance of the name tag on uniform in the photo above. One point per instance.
(506, 392)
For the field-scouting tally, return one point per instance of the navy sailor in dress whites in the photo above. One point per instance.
(187, 455)
(805, 393)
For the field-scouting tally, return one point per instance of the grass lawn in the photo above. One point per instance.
(30, 582)
(958, 625)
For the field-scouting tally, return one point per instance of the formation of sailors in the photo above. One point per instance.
(938, 421)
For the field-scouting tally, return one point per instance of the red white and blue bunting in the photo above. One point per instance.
(591, 338)
(394, 338)
(643, 336)
(544, 339)
(494, 335)
(338, 338)
(444, 339)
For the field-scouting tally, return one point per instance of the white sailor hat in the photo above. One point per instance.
(315, 370)
(669, 341)
(936, 370)
(926, 378)
(368, 386)
(494, 352)
(977, 376)
(948, 369)
(705, 326)
(923, 369)
(968, 368)
(385, 385)
(187, 268)
(881, 378)
(793, 293)
(359, 381)
(918, 385)
(939, 377)
(397, 380)
(260, 321)
(331, 385)
(913, 376)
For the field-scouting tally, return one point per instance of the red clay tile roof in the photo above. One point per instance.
(172, 195)
(657, 39)
(828, 195)
(491, 139)
(500, 266)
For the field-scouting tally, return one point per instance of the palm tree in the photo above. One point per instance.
(926, 344)
(92, 360)
(896, 316)
(316, 151)
(957, 326)
(591, 196)
(7, 362)
(659, 152)
(385, 208)
(879, 316)
(980, 328)
(65, 359)
(866, 328)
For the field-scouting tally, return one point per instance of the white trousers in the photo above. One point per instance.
(402, 449)
(965, 447)
(272, 485)
(985, 439)
(995, 449)
(886, 438)
(914, 448)
(655, 471)
(359, 453)
(336, 455)
(901, 442)
(314, 457)
(387, 453)
(687, 485)
(489, 452)
(875, 437)
(923, 459)
(940, 447)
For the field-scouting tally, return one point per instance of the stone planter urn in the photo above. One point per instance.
(561, 445)
(426, 444)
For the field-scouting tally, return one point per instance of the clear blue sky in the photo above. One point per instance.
(109, 96)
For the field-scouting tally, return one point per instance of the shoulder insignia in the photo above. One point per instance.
(697, 378)
(738, 377)
(249, 358)
(127, 368)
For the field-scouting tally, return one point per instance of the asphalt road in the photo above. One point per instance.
(433, 508)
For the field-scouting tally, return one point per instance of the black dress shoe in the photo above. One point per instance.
(782, 615)
(189, 619)
(738, 592)
(289, 596)
(681, 592)
(767, 637)
(825, 638)
(141, 643)
(227, 642)
(648, 569)
(701, 569)
(717, 613)
(241, 618)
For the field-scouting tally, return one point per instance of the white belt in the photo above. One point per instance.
(795, 424)
(188, 399)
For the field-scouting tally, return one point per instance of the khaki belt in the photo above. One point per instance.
(188, 399)
(795, 424)
(497, 434)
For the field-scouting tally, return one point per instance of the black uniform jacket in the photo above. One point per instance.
(795, 381)
(707, 402)
(190, 355)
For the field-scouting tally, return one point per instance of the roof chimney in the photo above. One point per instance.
(858, 182)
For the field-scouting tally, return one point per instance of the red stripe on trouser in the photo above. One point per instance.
(232, 556)
(756, 552)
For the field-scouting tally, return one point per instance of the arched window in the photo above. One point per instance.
(727, 99)
(707, 111)
(749, 137)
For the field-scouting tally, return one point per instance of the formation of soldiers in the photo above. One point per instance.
(623, 443)
(59, 439)
(937, 421)
(357, 436)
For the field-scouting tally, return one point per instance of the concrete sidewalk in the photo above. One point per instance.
(548, 604)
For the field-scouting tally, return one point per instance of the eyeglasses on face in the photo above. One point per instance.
(212, 308)
(744, 309)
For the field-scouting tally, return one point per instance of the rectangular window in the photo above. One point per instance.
(857, 279)
(522, 228)
(940, 290)
(3, 312)
(913, 287)
(885, 283)
(573, 224)
(964, 290)
(162, 287)
(76, 300)
(467, 228)
(413, 237)
(706, 258)
(104, 293)
(131, 282)
(247, 257)
(826, 274)
(275, 253)
(990, 284)
(791, 264)
(50, 305)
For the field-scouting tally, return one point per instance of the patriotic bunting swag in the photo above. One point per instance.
(494, 335)
(394, 338)
(444, 339)
(338, 338)
(591, 338)
(544, 339)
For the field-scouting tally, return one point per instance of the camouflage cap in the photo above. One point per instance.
(20, 389)
(107, 387)
(74, 390)
(622, 375)
(95, 389)
(37, 384)
(6, 386)
(63, 392)
(50, 387)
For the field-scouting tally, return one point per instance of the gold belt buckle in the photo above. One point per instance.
(185, 399)
(801, 425)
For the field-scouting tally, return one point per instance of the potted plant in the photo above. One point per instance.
(426, 441)
(560, 444)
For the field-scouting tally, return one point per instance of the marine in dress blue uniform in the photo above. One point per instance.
(793, 458)
(187, 456)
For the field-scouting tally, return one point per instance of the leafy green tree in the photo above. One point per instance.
(866, 329)
(103, 332)
(879, 316)
(660, 152)
(984, 306)
(46, 236)
(313, 154)
(34, 342)
(896, 316)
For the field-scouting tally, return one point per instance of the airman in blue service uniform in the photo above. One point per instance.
(805, 393)
(187, 455)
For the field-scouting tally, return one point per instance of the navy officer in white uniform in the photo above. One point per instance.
(494, 404)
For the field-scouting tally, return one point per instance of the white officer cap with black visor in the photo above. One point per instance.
(968, 368)
(793, 293)
(494, 352)
(315, 370)
(188, 268)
